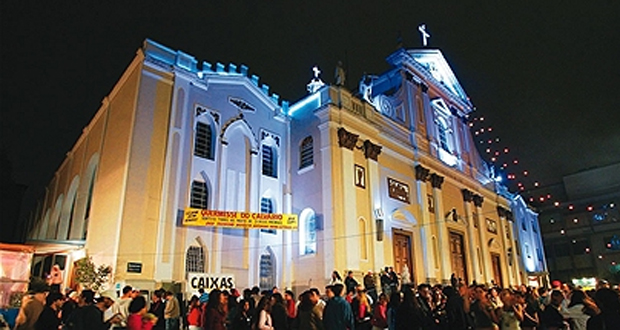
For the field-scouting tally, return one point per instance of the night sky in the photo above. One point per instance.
(546, 78)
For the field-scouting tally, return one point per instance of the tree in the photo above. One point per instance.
(91, 276)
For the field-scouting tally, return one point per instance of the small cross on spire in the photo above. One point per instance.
(317, 72)
(425, 35)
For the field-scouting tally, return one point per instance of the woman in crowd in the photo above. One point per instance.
(215, 311)
(194, 316)
(361, 310)
(264, 321)
(243, 318)
(530, 311)
(579, 310)
(379, 316)
(138, 318)
(482, 310)
(408, 315)
(278, 312)
(308, 314)
(511, 313)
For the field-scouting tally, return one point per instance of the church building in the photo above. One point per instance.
(387, 176)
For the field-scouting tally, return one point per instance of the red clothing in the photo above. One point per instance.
(290, 309)
(194, 317)
(379, 318)
(215, 319)
(135, 322)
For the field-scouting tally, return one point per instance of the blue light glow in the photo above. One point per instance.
(312, 101)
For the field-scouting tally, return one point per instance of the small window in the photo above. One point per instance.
(443, 134)
(203, 144)
(266, 206)
(200, 195)
(195, 260)
(534, 229)
(307, 232)
(270, 161)
(306, 153)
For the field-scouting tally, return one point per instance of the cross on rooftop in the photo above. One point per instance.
(317, 72)
(425, 35)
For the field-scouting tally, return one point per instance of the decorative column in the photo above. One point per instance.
(513, 244)
(468, 197)
(371, 152)
(484, 246)
(501, 231)
(347, 142)
(422, 174)
(443, 241)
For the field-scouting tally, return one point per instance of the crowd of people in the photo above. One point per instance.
(345, 304)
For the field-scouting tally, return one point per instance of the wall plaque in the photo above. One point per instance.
(398, 190)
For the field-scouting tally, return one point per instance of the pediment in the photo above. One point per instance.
(435, 66)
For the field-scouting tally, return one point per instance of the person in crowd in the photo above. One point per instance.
(408, 315)
(337, 314)
(362, 311)
(350, 282)
(579, 309)
(70, 304)
(243, 318)
(385, 280)
(138, 318)
(278, 312)
(203, 297)
(121, 308)
(551, 318)
(87, 316)
(392, 307)
(157, 308)
(49, 317)
(370, 285)
(379, 314)
(256, 297)
(427, 307)
(336, 278)
(215, 311)
(172, 311)
(494, 298)
(393, 279)
(263, 319)
(32, 306)
(510, 314)
(309, 315)
(456, 318)
(320, 303)
(194, 315)
(482, 310)
(530, 311)
(289, 303)
(608, 301)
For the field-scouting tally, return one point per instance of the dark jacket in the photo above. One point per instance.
(338, 315)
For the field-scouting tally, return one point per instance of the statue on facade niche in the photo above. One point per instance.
(340, 74)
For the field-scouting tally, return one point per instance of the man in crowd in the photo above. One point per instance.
(32, 306)
(337, 314)
(172, 312)
(49, 316)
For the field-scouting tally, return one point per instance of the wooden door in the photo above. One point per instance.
(402, 253)
(457, 256)
(497, 269)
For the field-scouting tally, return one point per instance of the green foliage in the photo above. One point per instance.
(91, 276)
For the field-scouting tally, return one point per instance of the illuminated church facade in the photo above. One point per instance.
(389, 176)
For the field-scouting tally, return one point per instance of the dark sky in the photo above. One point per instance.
(546, 77)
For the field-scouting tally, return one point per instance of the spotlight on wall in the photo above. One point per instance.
(379, 223)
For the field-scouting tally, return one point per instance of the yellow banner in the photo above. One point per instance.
(233, 219)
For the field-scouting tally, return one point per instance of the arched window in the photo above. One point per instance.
(363, 239)
(195, 260)
(203, 144)
(442, 130)
(200, 195)
(306, 153)
(307, 232)
(267, 269)
(270, 163)
(266, 206)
